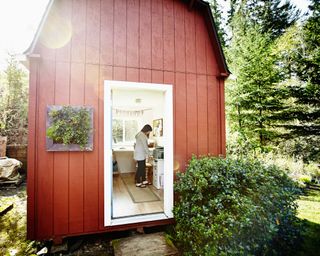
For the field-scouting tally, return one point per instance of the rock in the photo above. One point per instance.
(75, 245)
(59, 248)
(143, 245)
(44, 250)
(9, 169)
(3, 144)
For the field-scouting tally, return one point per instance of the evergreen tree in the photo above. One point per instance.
(257, 97)
(304, 115)
(254, 98)
(273, 16)
(219, 21)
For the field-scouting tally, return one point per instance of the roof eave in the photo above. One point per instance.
(209, 18)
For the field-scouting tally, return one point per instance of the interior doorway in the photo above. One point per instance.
(128, 107)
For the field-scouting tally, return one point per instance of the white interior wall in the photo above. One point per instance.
(152, 102)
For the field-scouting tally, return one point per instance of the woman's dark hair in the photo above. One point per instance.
(146, 128)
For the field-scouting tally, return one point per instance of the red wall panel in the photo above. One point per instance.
(132, 33)
(76, 160)
(91, 171)
(213, 115)
(145, 34)
(65, 13)
(180, 121)
(61, 159)
(168, 36)
(192, 116)
(78, 42)
(106, 32)
(202, 123)
(44, 165)
(120, 33)
(201, 36)
(93, 32)
(158, 41)
(157, 35)
(190, 42)
(180, 37)
(32, 142)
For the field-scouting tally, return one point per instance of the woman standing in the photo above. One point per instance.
(141, 153)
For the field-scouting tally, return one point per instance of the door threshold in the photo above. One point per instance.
(138, 219)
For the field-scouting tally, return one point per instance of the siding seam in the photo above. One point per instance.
(84, 101)
(99, 81)
(70, 57)
(36, 153)
(53, 155)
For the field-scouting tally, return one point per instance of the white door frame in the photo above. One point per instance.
(168, 152)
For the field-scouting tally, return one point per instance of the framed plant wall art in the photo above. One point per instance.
(69, 128)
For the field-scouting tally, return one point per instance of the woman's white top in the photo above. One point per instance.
(141, 150)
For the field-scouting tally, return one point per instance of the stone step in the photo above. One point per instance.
(143, 245)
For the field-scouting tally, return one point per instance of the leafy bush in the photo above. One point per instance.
(70, 126)
(313, 170)
(296, 169)
(305, 179)
(233, 207)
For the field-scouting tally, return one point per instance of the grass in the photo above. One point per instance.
(309, 206)
(13, 226)
(309, 211)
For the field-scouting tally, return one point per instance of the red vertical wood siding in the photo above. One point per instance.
(61, 159)
(76, 160)
(202, 123)
(32, 142)
(158, 41)
(44, 166)
(180, 121)
(132, 33)
(145, 34)
(180, 36)
(106, 32)
(91, 175)
(191, 114)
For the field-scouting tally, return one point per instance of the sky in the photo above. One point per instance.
(19, 20)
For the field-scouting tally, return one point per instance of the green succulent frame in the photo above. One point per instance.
(69, 128)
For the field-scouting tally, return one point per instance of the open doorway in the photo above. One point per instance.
(128, 107)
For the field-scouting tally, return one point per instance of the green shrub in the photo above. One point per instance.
(313, 170)
(306, 179)
(233, 207)
(70, 125)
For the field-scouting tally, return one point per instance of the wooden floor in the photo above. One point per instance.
(123, 204)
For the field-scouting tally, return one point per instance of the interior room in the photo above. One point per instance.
(131, 110)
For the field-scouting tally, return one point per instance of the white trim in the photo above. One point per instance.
(107, 159)
(138, 219)
(168, 153)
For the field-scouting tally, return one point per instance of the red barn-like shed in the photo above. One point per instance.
(132, 61)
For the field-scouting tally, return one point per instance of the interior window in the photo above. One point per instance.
(124, 131)
(130, 130)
